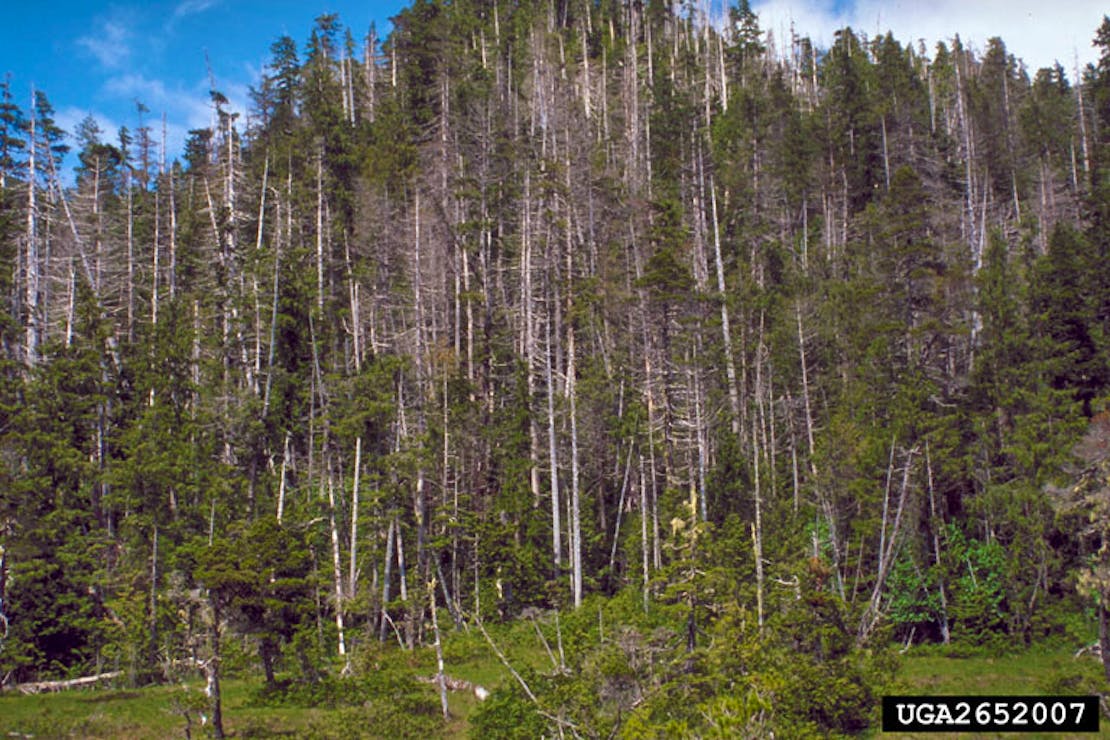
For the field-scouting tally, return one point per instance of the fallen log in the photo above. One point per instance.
(1094, 649)
(37, 687)
(457, 684)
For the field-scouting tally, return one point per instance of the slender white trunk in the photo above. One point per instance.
(337, 571)
(757, 525)
(887, 545)
(529, 339)
(401, 562)
(320, 230)
(71, 305)
(553, 454)
(404, 585)
(726, 327)
(701, 438)
(644, 532)
(352, 579)
(254, 277)
(886, 156)
(440, 677)
(1082, 123)
(620, 508)
(386, 580)
(130, 253)
(586, 73)
(823, 501)
(156, 267)
(173, 231)
(31, 271)
(281, 484)
(576, 520)
(934, 525)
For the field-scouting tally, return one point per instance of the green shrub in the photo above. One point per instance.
(508, 714)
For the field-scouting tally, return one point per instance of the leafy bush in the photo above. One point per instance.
(508, 714)
(377, 704)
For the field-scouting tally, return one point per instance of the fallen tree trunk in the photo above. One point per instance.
(36, 687)
(456, 684)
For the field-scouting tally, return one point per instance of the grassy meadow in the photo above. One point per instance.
(174, 711)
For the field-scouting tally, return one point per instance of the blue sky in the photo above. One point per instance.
(1040, 32)
(98, 58)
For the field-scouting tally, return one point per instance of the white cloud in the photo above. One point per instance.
(1036, 32)
(70, 118)
(192, 7)
(813, 18)
(110, 45)
(183, 108)
(137, 87)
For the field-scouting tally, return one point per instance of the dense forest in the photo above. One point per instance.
(793, 352)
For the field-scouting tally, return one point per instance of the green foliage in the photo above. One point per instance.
(378, 703)
(1064, 300)
(800, 675)
(507, 714)
(261, 578)
(977, 597)
(915, 597)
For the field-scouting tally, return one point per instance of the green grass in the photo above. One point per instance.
(1031, 672)
(157, 712)
(153, 712)
(932, 672)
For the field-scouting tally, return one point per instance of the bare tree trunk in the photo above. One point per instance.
(440, 678)
(129, 187)
(31, 272)
(644, 533)
(386, 580)
(281, 484)
(620, 509)
(156, 259)
(530, 345)
(556, 524)
(887, 544)
(757, 527)
(404, 585)
(576, 520)
(726, 328)
(173, 229)
(212, 673)
(153, 647)
(969, 185)
(352, 580)
(700, 433)
(257, 364)
(337, 571)
(934, 525)
(886, 156)
(822, 498)
(320, 230)
(71, 305)
(273, 322)
(1083, 137)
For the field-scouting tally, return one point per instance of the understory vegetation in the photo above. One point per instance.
(620, 673)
